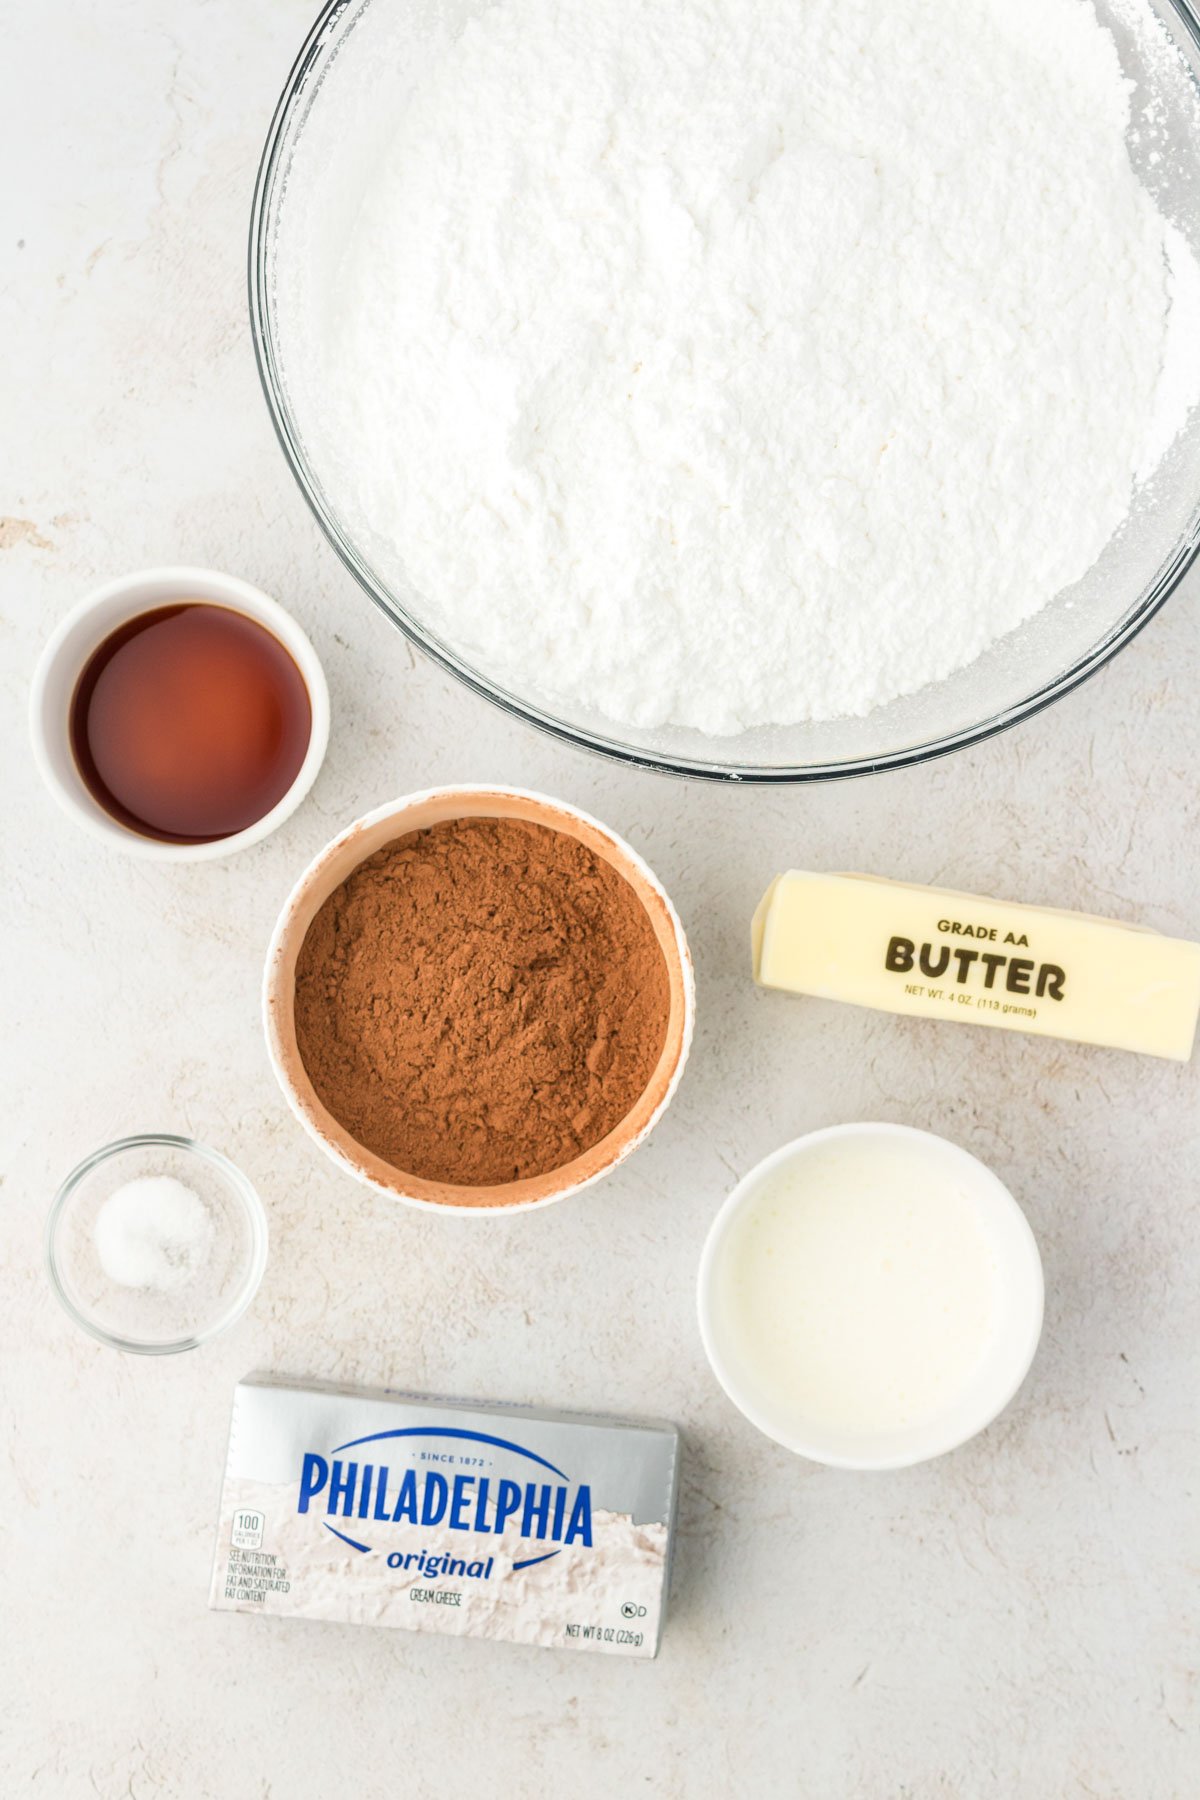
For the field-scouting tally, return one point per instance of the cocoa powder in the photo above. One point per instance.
(481, 1001)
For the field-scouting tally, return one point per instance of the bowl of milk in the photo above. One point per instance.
(870, 1296)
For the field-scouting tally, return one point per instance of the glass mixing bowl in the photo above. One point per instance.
(1159, 45)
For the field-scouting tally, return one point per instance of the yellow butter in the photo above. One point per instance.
(937, 954)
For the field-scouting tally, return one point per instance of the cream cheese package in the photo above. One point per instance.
(934, 953)
(453, 1516)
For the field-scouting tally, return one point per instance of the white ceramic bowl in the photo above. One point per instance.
(85, 629)
(330, 869)
(1006, 1358)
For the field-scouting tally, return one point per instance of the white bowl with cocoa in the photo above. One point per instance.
(478, 1000)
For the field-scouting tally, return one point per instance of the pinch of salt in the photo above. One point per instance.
(154, 1232)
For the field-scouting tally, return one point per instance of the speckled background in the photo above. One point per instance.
(1015, 1620)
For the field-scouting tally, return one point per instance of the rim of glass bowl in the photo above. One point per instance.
(253, 1211)
(286, 116)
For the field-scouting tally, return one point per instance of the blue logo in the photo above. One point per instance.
(555, 1512)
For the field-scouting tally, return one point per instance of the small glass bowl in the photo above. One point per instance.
(146, 1320)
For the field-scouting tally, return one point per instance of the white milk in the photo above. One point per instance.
(857, 1288)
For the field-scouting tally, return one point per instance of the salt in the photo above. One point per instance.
(154, 1232)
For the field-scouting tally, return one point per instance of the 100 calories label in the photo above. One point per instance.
(395, 1509)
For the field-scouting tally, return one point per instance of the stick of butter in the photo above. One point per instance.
(938, 954)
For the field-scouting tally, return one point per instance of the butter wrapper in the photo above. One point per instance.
(937, 954)
(453, 1516)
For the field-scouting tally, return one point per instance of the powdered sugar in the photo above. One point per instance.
(726, 364)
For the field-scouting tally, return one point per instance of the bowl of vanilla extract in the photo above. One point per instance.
(179, 714)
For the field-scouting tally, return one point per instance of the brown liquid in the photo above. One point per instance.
(189, 723)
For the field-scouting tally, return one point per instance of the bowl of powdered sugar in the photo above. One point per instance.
(769, 390)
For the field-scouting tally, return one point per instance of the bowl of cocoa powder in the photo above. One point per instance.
(478, 999)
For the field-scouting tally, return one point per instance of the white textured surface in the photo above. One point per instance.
(1017, 1620)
